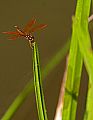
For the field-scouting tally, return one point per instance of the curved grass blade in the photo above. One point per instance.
(38, 85)
(19, 100)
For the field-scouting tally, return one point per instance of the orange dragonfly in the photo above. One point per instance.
(26, 32)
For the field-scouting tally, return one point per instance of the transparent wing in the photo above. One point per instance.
(29, 25)
(41, 26)
(13, 33)
(13, 37)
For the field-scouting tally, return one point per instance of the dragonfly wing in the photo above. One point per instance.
(13, 37)
(29, 25)
(14, 33)
(41, 26)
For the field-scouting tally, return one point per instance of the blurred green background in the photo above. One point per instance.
(16, 56)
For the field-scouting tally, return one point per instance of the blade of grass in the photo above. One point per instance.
(86, 50)
(88, 60)
(74, 70)
(72, 82)
(19, 100)
(83, 22)
(38, 85)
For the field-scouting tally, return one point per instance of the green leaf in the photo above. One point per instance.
(38, 85)
(86, 50)
(88, 60)
(82, 44)
(74, 70)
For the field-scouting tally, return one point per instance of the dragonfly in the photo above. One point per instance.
(26, 32)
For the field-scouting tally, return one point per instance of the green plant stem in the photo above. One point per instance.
(74, 69)
(85, 48)
(80, 42)
(38, 85)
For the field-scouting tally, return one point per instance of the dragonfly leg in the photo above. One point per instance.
(30, 44)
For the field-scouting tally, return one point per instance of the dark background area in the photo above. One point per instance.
(16, 56)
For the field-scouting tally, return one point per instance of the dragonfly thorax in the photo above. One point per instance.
(29, 37)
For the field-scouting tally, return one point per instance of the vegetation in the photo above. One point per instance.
(80, 51)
